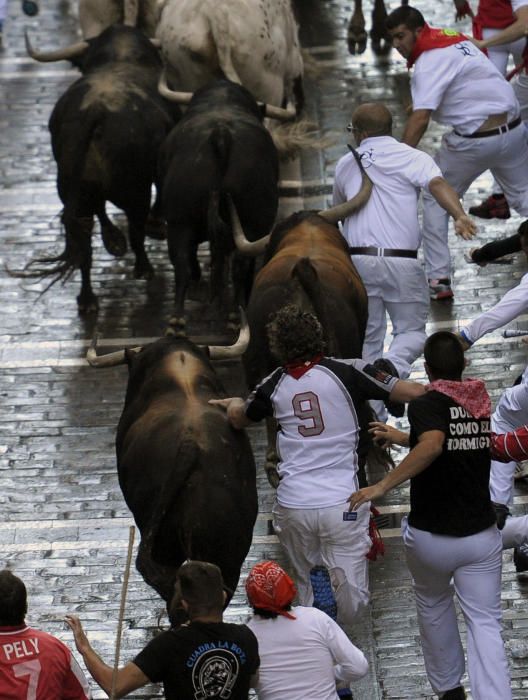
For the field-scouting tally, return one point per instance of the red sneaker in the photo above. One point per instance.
(494, 207)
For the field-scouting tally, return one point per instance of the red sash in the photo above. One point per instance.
(492, 14)
(431, 38)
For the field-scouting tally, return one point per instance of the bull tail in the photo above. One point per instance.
(184, 462)
(218, 226)
(78, 230)
(306, 275)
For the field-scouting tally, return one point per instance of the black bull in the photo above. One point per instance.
(220, 147)
(187, 476)
(106, 130)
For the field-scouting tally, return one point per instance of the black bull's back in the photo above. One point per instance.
(186, 475)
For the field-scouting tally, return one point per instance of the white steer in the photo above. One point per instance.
(97, 15)
(251, 42)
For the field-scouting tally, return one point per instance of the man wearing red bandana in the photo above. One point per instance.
(492, 19)
(452, 543)
(315, 401)
(303, 652)
(456, 84)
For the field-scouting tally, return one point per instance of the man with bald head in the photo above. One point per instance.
(384, 236)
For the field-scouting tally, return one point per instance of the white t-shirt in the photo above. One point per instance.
(517, 4)
(461, 86)
(318, 431)
(390, 217)
(302, 659)
(513, 304)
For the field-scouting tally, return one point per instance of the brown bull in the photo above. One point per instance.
(308, 265)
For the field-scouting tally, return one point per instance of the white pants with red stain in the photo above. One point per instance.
(469, 567)
(320, 536)
(461, 161)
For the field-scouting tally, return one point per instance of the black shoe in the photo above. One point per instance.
(457, 693)
(520, 559)
(345, 693)
(501, 513)
(394, 408)
(30, 8)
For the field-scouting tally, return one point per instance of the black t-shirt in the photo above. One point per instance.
(202, 660)
(451, 496)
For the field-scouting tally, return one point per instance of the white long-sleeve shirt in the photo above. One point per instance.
(513, 304)
(301, 659)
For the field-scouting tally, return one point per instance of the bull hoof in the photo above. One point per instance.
(87, 304)
(143, 271)
(273, 475)
(381, 46)
(156, 228)
(114, 241)
(356, 40)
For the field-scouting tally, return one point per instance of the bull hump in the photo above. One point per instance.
(185, 369)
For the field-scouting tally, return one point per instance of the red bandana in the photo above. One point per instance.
(471, 394)
(269, 587)
(297, 369)
(431, 38)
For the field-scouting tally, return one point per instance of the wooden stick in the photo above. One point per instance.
(124, 588)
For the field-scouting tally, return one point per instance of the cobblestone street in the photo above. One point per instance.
(64, 524)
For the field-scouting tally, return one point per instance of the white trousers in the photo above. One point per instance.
(515, 531)
(499, 56)
(510, 412)
(397, 287)
(3, 10)
(470, 567)
(461, 160)
(320, 536)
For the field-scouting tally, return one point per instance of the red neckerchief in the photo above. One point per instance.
(471, 394)
(493, 14)
(299, 367)
(431, 38)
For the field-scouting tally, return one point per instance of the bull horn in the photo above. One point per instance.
(156, 43)
(283, 115)
(111, 359)
(225, 352)
(65, 54)
(342, 211)
(244, 246)
(164, 90)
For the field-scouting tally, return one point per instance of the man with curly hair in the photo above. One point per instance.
(315, 401)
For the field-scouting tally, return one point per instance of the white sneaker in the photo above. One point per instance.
(521, 470)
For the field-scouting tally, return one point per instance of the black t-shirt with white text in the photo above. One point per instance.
(451, 496)
(202, 660)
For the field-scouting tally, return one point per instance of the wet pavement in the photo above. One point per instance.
(64, 524)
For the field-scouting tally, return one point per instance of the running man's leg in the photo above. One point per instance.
(344, 546)
(478, 587)
(431, 565)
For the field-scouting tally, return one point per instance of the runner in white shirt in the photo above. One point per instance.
(384, 235)
(303, 652)
(493, 16)
(315, 400)
(455, 84)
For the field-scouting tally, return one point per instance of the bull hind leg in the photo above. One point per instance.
(160, 578)
(379, 36)
(114, 239)
(136, 233)
(156, 226)
(182, 254)
(356, 35)
(80, 231)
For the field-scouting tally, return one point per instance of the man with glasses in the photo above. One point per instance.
(384, 236)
